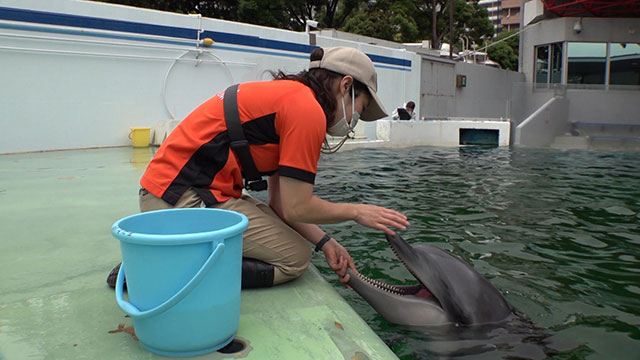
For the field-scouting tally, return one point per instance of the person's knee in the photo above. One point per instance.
(293, 268)
(300, 262)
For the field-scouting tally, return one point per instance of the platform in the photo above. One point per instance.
(56, 212)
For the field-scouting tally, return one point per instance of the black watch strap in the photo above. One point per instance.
(322, 241)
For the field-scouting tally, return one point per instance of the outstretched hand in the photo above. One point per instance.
(380, 218)
(338, 259)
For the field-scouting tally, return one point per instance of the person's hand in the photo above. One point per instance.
(338, 259)
(380, 218)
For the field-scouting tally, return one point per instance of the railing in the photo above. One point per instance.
(194, 46)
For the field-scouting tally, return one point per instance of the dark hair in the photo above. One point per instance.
(411, 104)
(321, 82)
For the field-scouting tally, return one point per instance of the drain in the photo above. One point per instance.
(234, 346)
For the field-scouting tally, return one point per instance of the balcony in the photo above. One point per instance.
(510, 20)
(510, 4)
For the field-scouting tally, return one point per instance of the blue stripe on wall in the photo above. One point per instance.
(81, 32)
(42, 17)
(49, 18)
(246, 40)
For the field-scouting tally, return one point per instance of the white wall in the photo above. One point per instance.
(67, 87)
(543, 125)
(488, 92)
(399, 133)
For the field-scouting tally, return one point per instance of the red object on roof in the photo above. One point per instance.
(597, 8)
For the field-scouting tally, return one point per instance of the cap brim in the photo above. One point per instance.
(375, 110)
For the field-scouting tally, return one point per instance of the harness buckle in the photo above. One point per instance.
(257, 185)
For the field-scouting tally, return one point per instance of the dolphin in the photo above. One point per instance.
(449, 291)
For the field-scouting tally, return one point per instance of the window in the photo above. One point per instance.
(625, 64)
(542, 64)
(586, 63)
(548, 58)
(556, 63)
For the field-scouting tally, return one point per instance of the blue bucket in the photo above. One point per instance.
(183, 269)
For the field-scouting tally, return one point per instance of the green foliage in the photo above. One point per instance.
(400, 20)
(264, 12)
(412, 20)
(506, 52)
(332, 14)
(472, 20)
(388, 20)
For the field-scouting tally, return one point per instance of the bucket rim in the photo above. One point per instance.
(180, 239)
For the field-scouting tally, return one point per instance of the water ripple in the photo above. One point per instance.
(557, 232)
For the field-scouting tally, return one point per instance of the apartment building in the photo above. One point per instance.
(503, 14)
(510, 15)
(493, 8)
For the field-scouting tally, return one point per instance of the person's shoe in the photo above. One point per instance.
(256, 274)
(113, 276)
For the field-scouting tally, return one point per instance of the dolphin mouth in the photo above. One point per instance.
(399, 247)
(419, 290)
(408, 266)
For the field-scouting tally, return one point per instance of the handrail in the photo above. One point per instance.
(535, 113)
(87, 41)
(130, 56)
(583, 123)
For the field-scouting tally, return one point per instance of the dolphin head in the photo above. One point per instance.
(449, 290)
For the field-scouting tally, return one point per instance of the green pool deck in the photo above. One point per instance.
(56, 248)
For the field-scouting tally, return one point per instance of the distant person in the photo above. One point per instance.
(406, 112)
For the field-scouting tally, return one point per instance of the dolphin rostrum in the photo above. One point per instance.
(450, 291)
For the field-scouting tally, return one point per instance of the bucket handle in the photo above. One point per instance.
(134, 312)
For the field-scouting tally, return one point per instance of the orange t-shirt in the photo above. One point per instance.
(282, 121)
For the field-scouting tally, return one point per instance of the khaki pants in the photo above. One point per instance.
(267, 238)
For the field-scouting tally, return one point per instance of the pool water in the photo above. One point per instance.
(557, 232)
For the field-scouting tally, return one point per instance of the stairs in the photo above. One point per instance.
(601, 136)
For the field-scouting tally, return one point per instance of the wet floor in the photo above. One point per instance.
(56, 249)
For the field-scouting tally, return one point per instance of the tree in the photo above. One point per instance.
(333, 13)
(470, 19)
(271, 13)
(384, 19)
(400, 20)
(284, 14)
(415, 20)
(505, 52)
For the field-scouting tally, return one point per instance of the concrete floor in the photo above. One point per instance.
(56, 249)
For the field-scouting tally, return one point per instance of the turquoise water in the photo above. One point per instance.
(558, 233)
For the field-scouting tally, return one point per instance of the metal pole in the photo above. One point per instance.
(451, 35)
(434, 28)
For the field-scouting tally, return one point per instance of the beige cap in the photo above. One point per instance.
(350, 61)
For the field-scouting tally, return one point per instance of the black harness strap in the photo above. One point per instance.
(239, 144)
